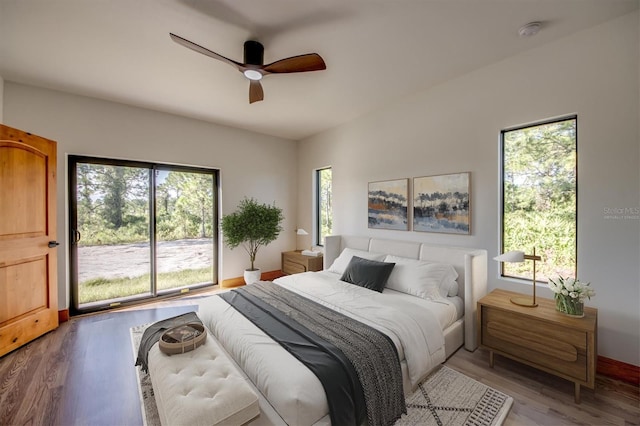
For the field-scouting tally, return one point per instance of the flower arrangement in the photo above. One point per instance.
(569, 294)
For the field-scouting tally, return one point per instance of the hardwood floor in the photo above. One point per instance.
(543, 399)
(83, 374)
(80, 374)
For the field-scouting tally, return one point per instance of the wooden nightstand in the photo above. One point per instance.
(540, 337)
(294, 262)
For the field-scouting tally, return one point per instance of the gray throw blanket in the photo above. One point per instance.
(371, 352)
(153, 333)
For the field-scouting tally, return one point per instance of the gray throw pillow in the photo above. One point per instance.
(367, 273)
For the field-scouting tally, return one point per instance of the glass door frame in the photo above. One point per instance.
(74, 235)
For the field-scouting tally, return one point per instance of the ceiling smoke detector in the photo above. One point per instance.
(529, 30)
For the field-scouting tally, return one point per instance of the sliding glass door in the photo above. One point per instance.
(139, 230)
(185, 227)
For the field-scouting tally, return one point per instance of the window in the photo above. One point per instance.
(139, 230)
(324, 212)
(539, 197)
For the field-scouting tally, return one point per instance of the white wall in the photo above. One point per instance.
(455, 127)
(250, 164)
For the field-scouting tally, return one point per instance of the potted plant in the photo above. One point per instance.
(252, 225)
(570, 294)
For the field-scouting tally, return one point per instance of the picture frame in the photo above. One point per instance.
(442, 203)
(388, 204)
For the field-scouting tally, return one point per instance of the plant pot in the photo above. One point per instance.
(251, 276)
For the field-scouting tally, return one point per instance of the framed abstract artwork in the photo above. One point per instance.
(388, 204)
(441, 204)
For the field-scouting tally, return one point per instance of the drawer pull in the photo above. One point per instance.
(533, 341)
(15, 339)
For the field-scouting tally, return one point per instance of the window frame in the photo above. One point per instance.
(573, 117)
(317, 216)
(155, 293)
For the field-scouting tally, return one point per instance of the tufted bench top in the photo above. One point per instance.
(201, 387)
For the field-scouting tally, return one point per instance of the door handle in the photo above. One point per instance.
(75, 237)
(53, 244)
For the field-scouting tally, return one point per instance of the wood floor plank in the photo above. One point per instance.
(22, 376)
(546, 399)
(83, 374)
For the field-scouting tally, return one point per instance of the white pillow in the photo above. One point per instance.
(421, 278)
(449, 288)
(340, 264)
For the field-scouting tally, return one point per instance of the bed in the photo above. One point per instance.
(289, 392)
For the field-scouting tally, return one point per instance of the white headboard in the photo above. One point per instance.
(470, 263)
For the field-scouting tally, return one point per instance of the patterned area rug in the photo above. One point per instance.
(150, 415)
(451, 398)
(446, 398)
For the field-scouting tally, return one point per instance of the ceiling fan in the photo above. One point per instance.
(253, 67)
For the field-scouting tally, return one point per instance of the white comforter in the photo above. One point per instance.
(292, 389)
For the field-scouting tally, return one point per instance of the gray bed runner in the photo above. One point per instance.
(321, 339)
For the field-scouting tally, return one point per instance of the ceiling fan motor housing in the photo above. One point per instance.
(253, 52)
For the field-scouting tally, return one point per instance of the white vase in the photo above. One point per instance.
(251, 276)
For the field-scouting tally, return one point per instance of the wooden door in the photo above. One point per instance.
(28, 266)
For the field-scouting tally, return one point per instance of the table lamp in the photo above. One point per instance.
(516, 256)
(301, 231)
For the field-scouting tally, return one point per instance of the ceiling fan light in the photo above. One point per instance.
(253, 75)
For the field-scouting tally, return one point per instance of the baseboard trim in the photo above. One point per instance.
(618, 370)
(239, 281)
(63, 316)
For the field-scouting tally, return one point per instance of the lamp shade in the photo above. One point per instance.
(514, 256)
(301, 231)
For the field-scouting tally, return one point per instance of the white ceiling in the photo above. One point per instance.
(376, 51)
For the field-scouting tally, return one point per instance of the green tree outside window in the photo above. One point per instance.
(539, 198)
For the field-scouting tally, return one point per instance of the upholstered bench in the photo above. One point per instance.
(201, 387)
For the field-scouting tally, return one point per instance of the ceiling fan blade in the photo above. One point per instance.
(301, 63)
(186, 43)
(255, 91)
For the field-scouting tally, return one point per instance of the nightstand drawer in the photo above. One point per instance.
(289, 267)
(543, 343)
(294, 262)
